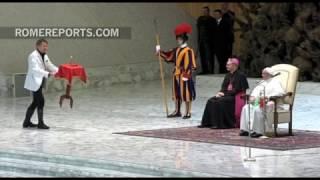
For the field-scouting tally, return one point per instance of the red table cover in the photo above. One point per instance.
(68, 71)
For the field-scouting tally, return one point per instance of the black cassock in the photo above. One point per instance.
(220, 112)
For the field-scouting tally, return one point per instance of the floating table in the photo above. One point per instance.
(68, 71)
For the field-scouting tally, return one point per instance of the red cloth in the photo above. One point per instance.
(68, 71)
(240, 102)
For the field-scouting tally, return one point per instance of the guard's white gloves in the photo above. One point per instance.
(157, 48)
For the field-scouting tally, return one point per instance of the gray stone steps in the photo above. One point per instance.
(58, 170)
(69, 166)
(11, 174)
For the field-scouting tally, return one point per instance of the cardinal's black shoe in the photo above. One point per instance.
(201, 126)
(214, 127)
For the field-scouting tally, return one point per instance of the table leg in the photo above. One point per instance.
(66, 96)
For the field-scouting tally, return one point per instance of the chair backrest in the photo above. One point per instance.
(288, 77)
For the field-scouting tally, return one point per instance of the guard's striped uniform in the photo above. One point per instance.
(182, 82)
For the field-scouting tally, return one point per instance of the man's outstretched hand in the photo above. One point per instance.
(52, 73)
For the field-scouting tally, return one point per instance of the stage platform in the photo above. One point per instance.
(81, 141)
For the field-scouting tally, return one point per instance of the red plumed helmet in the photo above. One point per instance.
(183, 28)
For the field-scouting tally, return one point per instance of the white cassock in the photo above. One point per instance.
(37, 70)
(257, 123)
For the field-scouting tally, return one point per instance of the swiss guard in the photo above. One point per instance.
(184, 60)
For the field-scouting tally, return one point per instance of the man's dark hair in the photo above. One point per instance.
(40, 41)
(218, 10)
(207, 8)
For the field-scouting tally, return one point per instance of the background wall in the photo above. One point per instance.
(107, 61)
(90, 52)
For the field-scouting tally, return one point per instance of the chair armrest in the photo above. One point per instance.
(275, 98)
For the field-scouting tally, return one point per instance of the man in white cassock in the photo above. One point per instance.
(261, 119)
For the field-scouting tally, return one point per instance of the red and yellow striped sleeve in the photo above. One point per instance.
(168, 55)
(193, 60)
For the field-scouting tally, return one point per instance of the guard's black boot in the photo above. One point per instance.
(174, 114)
(41, 124)
(187, 116)
(177, 112)
(27, 122)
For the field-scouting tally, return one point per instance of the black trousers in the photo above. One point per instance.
(230, 48)
(206, 57)
(37, 103)
(222, 56)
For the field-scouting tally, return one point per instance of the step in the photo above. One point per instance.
(94, 165)
(11, 174)
(58, 170)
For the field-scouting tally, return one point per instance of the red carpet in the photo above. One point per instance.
(300, 140)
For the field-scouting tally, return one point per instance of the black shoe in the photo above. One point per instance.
(27, 120)
(187, 116)
(243, 133)
(255, 135)
(201, 126)
(43, 126)
(214, 127)
(27, 124)
(174, 115)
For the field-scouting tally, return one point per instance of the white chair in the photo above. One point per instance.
(288, 78)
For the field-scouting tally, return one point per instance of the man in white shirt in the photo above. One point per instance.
(258, 122)
(39, 69)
